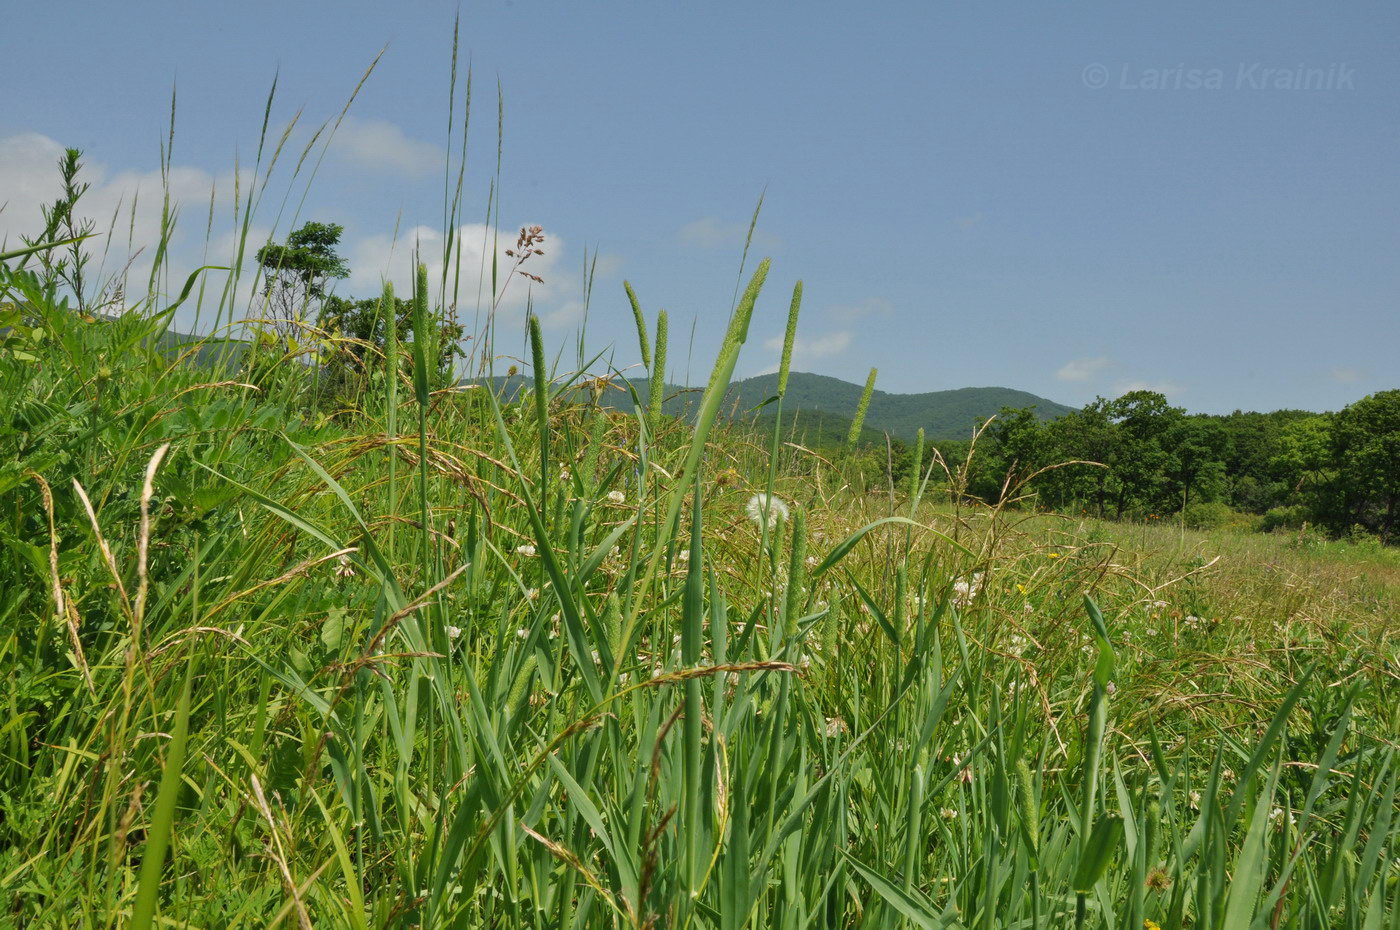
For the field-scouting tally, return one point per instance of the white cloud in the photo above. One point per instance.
(1082, 369)
(807, 351)
(871, 306)
(1348, 375)
(29, 179)
(712, 233)
(376, 258)
(378, 145)
(127, 205)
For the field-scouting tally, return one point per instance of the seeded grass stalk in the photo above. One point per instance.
(858, 421)
(657, 380)
(639, 318)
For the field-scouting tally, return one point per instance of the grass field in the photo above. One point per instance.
(413, 654)
(450, 660)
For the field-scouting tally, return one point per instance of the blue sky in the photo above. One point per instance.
(1067, 199)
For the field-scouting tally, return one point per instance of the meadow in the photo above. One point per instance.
(433, 654)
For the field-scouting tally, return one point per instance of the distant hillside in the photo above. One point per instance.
(942, 414)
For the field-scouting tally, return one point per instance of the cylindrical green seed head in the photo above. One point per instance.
(613, 624)
(788, 338)
(1025, 798)
(541, 373)
(388, 312)
(641, 325)
(859, 421)
(424, 350)
(522, 682)
(657, 383)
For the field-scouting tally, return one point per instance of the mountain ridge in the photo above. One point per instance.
(946, 414)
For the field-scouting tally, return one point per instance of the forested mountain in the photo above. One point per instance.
(941, 414)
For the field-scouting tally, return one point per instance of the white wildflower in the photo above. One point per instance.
(763, 508)
(835, 726)
(344, 568)
(948, 813)
(525, 550)
(453, 632)
(617, 497)
(965, 590)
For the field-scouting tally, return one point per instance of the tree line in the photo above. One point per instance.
(1138, 457)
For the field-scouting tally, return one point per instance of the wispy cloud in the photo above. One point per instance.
(807, 351)
(1082, 369)
(850, 313)
(1348, 375)
(379, 145)
(712, 233)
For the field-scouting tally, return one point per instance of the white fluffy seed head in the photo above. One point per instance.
(765, 508)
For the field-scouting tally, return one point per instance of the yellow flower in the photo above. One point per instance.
(1149, 924)
(1052, 555)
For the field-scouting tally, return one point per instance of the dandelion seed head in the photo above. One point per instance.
(765, 507)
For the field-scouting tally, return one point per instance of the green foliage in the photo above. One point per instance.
(1216, 515)
(1365, 447)
(296, 273)
(1142, 458)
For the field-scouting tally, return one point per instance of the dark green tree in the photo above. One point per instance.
(1195, 448)
(1366, 456)
(1142, 420)
(1014, 449)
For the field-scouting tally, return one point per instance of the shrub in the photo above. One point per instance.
(1214, 515)
(1292, 517)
